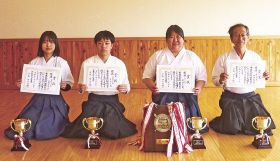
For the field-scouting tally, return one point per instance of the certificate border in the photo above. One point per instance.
(186, 90)
(37, 68)
(260, 84)
(93, 89)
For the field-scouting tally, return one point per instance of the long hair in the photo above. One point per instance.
(48, 35)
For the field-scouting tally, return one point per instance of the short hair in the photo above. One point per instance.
(50, 35)
(230, 31)
(107, 35)
(174, 28)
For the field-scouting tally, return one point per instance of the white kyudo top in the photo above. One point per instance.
(112, 60)
(220, 67)
(56, 61)
(185, 58)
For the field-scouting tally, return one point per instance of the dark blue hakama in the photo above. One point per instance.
(189, 100)
(48, 115)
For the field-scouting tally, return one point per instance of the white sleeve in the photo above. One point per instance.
(200, 70)
(150, 68)
(33, 61)
(125, 77)
(66, 74)
(218, 68)
(81, 76)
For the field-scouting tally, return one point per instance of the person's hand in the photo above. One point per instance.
(223, 78)
(266, 75)
(196, 91)
(82, 88)
(122, 88)
(155, 90)
(18, 83)
(63, 85)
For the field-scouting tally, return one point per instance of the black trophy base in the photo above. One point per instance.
(93, 144)
(198, 143)
(262, 143)
(17, 146)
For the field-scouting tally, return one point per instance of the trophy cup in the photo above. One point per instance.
(92, 124)
(197, 141)
(20, 126)
(261, 123)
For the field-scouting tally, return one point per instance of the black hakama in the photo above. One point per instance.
(110, 110)
(238, 110)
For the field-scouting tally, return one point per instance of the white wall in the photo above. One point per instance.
(135, 18)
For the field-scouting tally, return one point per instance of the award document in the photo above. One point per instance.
(245, 74)
(101, 78)
(40, 79)
(177, 79)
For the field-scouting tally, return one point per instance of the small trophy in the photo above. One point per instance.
(20, 126)
(92, 124)
(197, 141)
(261, 123)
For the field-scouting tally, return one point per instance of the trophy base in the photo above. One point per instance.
(262, 143)
(17, 146)
(198, 143)
(93, 144)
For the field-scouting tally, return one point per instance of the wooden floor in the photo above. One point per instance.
(219, 146)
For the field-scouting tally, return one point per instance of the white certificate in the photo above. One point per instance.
(101, 78)
(40, 79)
(176, 79)
(245, 74)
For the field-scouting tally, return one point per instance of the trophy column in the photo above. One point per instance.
(20, 126)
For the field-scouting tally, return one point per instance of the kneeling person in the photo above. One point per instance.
(239, 105)
(103, 104)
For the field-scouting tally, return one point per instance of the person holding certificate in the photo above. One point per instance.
(48, 113)
(240, 104)
(104, 76)
(176, 55)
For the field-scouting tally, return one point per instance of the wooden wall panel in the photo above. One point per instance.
(75, 51)
(276, 51)
(135, 52)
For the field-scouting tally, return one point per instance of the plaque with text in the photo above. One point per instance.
(177, 79)
(101, 78)
(245, 74)
(40, 79)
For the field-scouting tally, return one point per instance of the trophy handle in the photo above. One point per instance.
(188, 120)
(102, 121)
(11, 124)
(253, 123)
(269, 121)
(205, 121)
(28, 122)
(84, 120)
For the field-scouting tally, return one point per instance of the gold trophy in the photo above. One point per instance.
(261, 123)
(92, 124)
(20, 126)
(197, 141)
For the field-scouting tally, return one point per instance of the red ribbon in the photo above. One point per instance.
(146, 121)
(93, 136)
(19, 140)
(179, 130)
